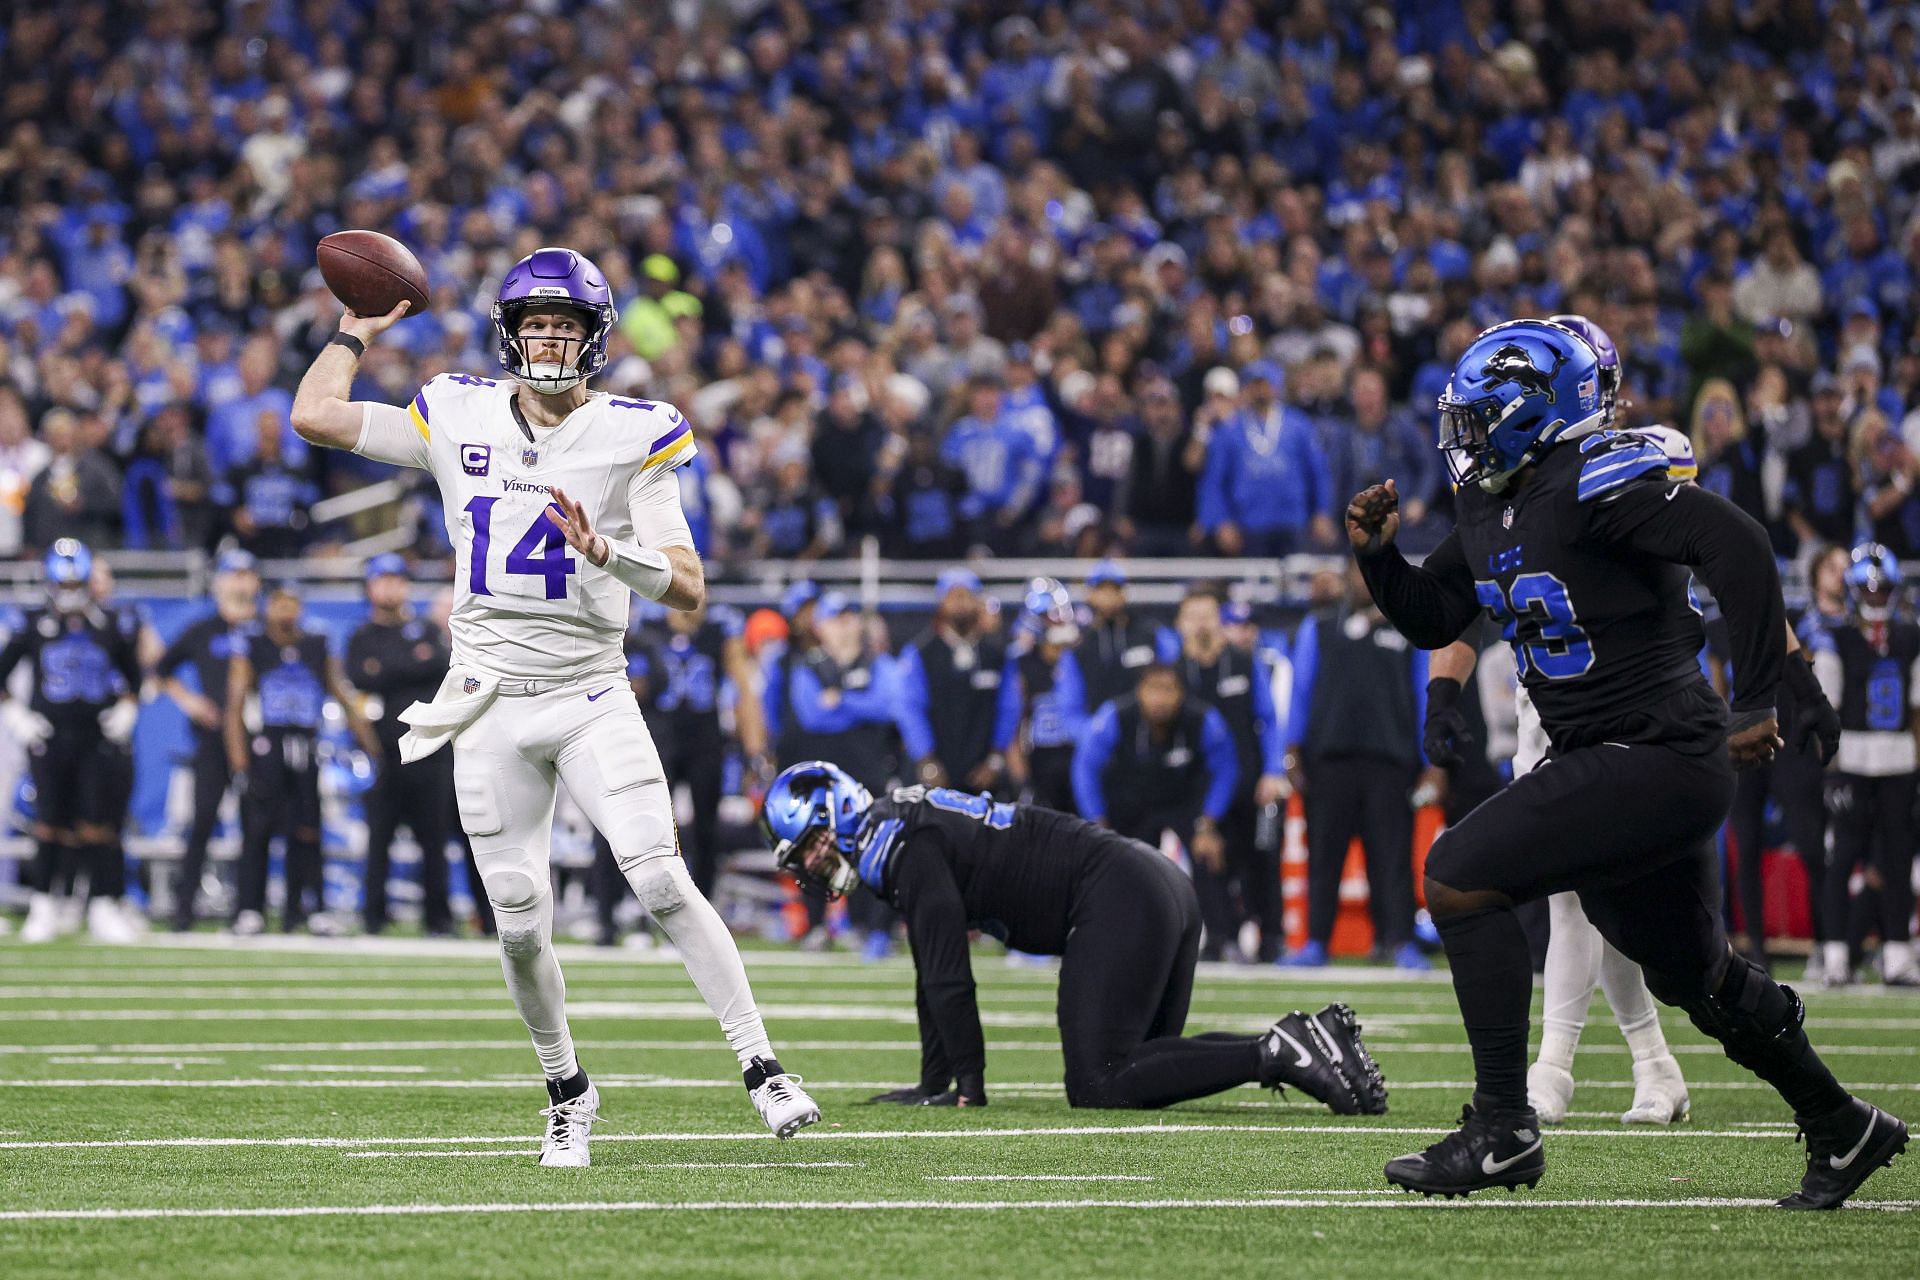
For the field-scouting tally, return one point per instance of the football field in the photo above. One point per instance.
(207, 1109)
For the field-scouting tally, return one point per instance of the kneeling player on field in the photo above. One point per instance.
(1123, 919)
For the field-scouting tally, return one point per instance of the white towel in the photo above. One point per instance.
(462, 696)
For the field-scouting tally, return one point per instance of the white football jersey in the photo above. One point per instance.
(527, 606)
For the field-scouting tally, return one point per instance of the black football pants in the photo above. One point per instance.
(414, 796)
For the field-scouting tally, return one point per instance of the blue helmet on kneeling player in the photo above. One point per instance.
(806, 800)
(1518, 389)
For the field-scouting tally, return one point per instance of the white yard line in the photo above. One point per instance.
(498, 1008)
(517, 1044)
(345, 1068)
(1029, 1087)
(1301, 1200)
(1039, 1177)
(1357, 1129)
(662, 1164)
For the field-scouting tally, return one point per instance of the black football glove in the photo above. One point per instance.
(1446, 734)
(1816, 725)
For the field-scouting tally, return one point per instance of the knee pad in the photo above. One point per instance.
(510, 882)
(662, 885)
(1751, 1015)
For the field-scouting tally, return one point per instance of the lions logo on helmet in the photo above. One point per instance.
(804, 800)
(1518, 389)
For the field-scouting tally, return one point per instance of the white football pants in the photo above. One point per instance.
(591, 736)
(1578, 958)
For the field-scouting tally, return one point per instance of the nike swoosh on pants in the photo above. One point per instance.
(595, 697)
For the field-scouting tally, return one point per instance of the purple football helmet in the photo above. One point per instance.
(546, 278)
(1602, 345)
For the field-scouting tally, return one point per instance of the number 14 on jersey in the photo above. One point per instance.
(540, 552)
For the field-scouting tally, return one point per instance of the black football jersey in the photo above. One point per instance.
(1876, 676)
(82, 662)
(1584, 565)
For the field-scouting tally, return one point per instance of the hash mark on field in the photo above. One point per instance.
(1302, 1200)
(659, 1164)
(129, 1060)
(344, 1069)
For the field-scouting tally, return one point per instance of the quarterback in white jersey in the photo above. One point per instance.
(559, 503)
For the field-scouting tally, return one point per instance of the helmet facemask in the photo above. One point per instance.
(580, 356)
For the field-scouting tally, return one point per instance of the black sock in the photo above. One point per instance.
(1173, 1069)
(567, 1090)
(759, 1070)
(1493, 983)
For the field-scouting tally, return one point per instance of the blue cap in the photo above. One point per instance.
(832, 605)
(799, 595)
(1107, 571)
(390, 563)
(236, 562)
(958, 576)
(1863, 306)
(1266, 371)
(1236, 612)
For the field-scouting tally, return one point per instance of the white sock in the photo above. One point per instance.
(1573, 969)
(1896, 958)
(1632, 1004)
(534, 981)
(706, 949)
(1839, 961)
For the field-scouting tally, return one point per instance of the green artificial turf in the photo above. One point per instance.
(353, 1064)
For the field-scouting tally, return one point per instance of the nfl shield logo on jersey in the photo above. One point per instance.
(470, 685)
(1506, 518)
(529, 457)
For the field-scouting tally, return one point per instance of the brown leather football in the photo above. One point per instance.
(371, 272)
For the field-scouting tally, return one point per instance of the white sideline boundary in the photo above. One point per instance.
(1303, 1200)
(817, 1134)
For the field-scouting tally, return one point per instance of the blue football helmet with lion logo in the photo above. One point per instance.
(1518, 389)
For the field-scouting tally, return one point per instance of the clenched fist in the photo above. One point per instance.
(1373, 518)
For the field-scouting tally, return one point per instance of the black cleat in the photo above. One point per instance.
(1843, 1152)
(1490, 1150)
(1323, 1056)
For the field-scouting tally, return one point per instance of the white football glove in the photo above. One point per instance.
(117, 721)
(23, 724)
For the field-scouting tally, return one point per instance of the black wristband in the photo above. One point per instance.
(1442, 693)
(350, 342)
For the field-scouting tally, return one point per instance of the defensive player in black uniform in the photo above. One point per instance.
(206, 647)
(399, 659)
(290, 671)
(1122, 918)
(1576, 541)
(1870, 667)
(85, 680)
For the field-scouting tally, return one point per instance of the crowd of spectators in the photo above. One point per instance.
(1143, 276)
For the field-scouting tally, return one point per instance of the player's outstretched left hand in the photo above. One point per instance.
(1373, 518)
(573, 521)
(1755, 744)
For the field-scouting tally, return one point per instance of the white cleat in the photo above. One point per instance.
(569, 1124)
(107, 922)
(1659, 1093)
(43, 919)
(1549, 1092)
(784, 1105)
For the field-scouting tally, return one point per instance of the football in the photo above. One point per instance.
(371, 272)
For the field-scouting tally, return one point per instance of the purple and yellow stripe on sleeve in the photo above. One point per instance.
(418, 412)
(671, 445)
